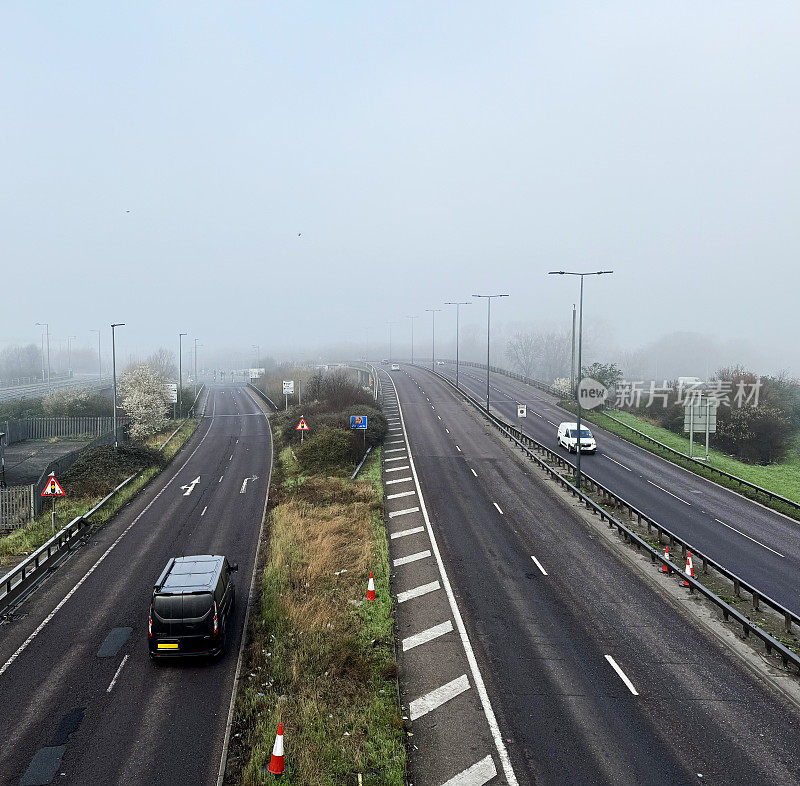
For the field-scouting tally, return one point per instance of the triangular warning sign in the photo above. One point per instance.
(302, 425)
(52, 488)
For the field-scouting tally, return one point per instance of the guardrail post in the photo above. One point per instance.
(787, 623)
(705, 565)
(736, 588)
(755, 600)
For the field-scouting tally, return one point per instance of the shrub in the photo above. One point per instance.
(98, 470)
(328, 447)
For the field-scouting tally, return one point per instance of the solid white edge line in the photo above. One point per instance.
(22, 647)
(480, 686)
(423, 637)
(539, 565)
(116, 675)
(621, 674)
(226, 740)
(479, 773)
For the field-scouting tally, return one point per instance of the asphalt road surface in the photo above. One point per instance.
(594, 675)
(81, 701)
(758, 544)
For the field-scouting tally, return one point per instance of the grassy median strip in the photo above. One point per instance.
(320, 657)
(93, 476)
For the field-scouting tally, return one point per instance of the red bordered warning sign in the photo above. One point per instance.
(52, 488)
(302, 425)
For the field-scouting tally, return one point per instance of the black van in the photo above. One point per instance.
(192, 602)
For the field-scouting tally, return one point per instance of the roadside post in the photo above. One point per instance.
(302, 427)
(359, 423)
(53, 489)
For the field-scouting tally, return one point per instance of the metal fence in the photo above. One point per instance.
(48, 428)
(21, 504)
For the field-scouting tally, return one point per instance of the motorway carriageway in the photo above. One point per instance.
(756, 543)
(593, 674)
(81, 701)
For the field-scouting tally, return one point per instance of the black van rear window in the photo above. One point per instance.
(179, 607)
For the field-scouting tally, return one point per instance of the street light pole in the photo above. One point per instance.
(114, 372)
(70, 339)
(579, 375)
(433, 336)
(457, 304)
(195, 368)
(572, 367)
(390, 324)
(180, 373)
(99, 357)
(46, 327)
(412, 338)
(488, 336)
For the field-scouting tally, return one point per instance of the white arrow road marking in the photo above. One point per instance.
(189, 488)
(244, 483)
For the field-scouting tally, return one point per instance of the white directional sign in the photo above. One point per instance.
(522, 410)
(288, 387)
(172, 392)
(189, 487)
(255, 373)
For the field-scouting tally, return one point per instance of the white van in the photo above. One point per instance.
(395, 367)
(568, 438)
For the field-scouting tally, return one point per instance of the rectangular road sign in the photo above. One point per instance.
(288, 387)
(255, 373)
(358, 422)
(172, 392)
(522, 410)
(696, 414)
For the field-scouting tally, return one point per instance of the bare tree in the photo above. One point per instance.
(162, 361)
(524, 353)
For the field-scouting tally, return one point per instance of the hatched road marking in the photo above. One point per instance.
(405, 532)
(476, 775)
(395, 513)
(411, 558)
(427, 635)
(401, 494)
(423, 589)
(433, 700)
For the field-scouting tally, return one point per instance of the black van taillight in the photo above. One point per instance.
(216, 624)
(150, 623)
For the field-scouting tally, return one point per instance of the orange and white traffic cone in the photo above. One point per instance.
(688, 570)
(276, 765)
(664, 568)
(371, 588)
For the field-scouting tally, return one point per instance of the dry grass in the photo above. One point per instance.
(321, 658)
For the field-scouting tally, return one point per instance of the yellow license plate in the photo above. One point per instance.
(167, 646)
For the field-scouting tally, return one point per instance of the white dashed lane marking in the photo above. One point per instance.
(622, 675)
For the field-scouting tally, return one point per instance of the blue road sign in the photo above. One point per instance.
(358, 422)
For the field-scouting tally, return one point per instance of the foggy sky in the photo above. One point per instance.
(296, 174)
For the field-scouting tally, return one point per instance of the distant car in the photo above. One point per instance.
(192, 604)
(395, 367)
(385, 361)
(439, 362)
(568, 438)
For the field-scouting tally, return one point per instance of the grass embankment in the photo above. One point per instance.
(783, 479)
(321, 657)
(87, 481)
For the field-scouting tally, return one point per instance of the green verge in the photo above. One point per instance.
(783, 479)
(320, 657)
(28, 538)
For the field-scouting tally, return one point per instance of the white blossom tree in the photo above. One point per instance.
(145, 400)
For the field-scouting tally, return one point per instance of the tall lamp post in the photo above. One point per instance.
(99, 357)
(579, 374)
(114, 372)
(457, 304)
(46, 327)
(433, 336)
(70, 339)
(180, 373)
(488, 335)
(412, 338)
(195, 367)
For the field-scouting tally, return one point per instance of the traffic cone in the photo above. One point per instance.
(688, 570)
(276, 766)
(371, 587)
(664, 568)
